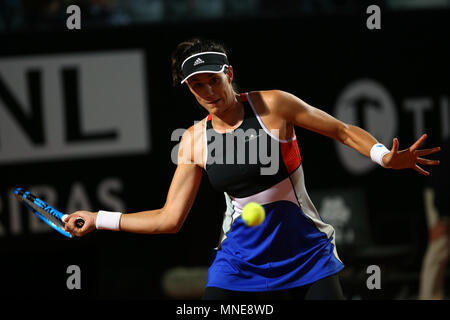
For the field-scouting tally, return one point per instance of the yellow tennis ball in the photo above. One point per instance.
(253, 214)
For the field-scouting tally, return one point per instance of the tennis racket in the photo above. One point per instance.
(45, 212)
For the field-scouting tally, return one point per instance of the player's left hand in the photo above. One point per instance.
(411, 157)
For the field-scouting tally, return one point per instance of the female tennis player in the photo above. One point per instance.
(292, 253)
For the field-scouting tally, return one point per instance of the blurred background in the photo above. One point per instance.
(88, 116)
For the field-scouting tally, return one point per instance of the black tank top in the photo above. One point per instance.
(248, 159)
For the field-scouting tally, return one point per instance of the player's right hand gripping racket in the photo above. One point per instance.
(45, 212)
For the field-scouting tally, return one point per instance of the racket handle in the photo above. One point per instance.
(79, 222)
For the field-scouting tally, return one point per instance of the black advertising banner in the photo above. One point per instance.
(89, 120)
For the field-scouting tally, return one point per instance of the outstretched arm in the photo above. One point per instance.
(298, 112)
(168, 219)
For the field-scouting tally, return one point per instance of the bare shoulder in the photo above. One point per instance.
(271, 106)
(271, 98)
(191, 144)
(196, 130)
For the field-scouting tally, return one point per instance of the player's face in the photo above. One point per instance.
(213, 90)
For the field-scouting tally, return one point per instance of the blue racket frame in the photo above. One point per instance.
(34, 204)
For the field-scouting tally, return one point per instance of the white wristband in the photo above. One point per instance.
(108, 220)
(377, 153)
